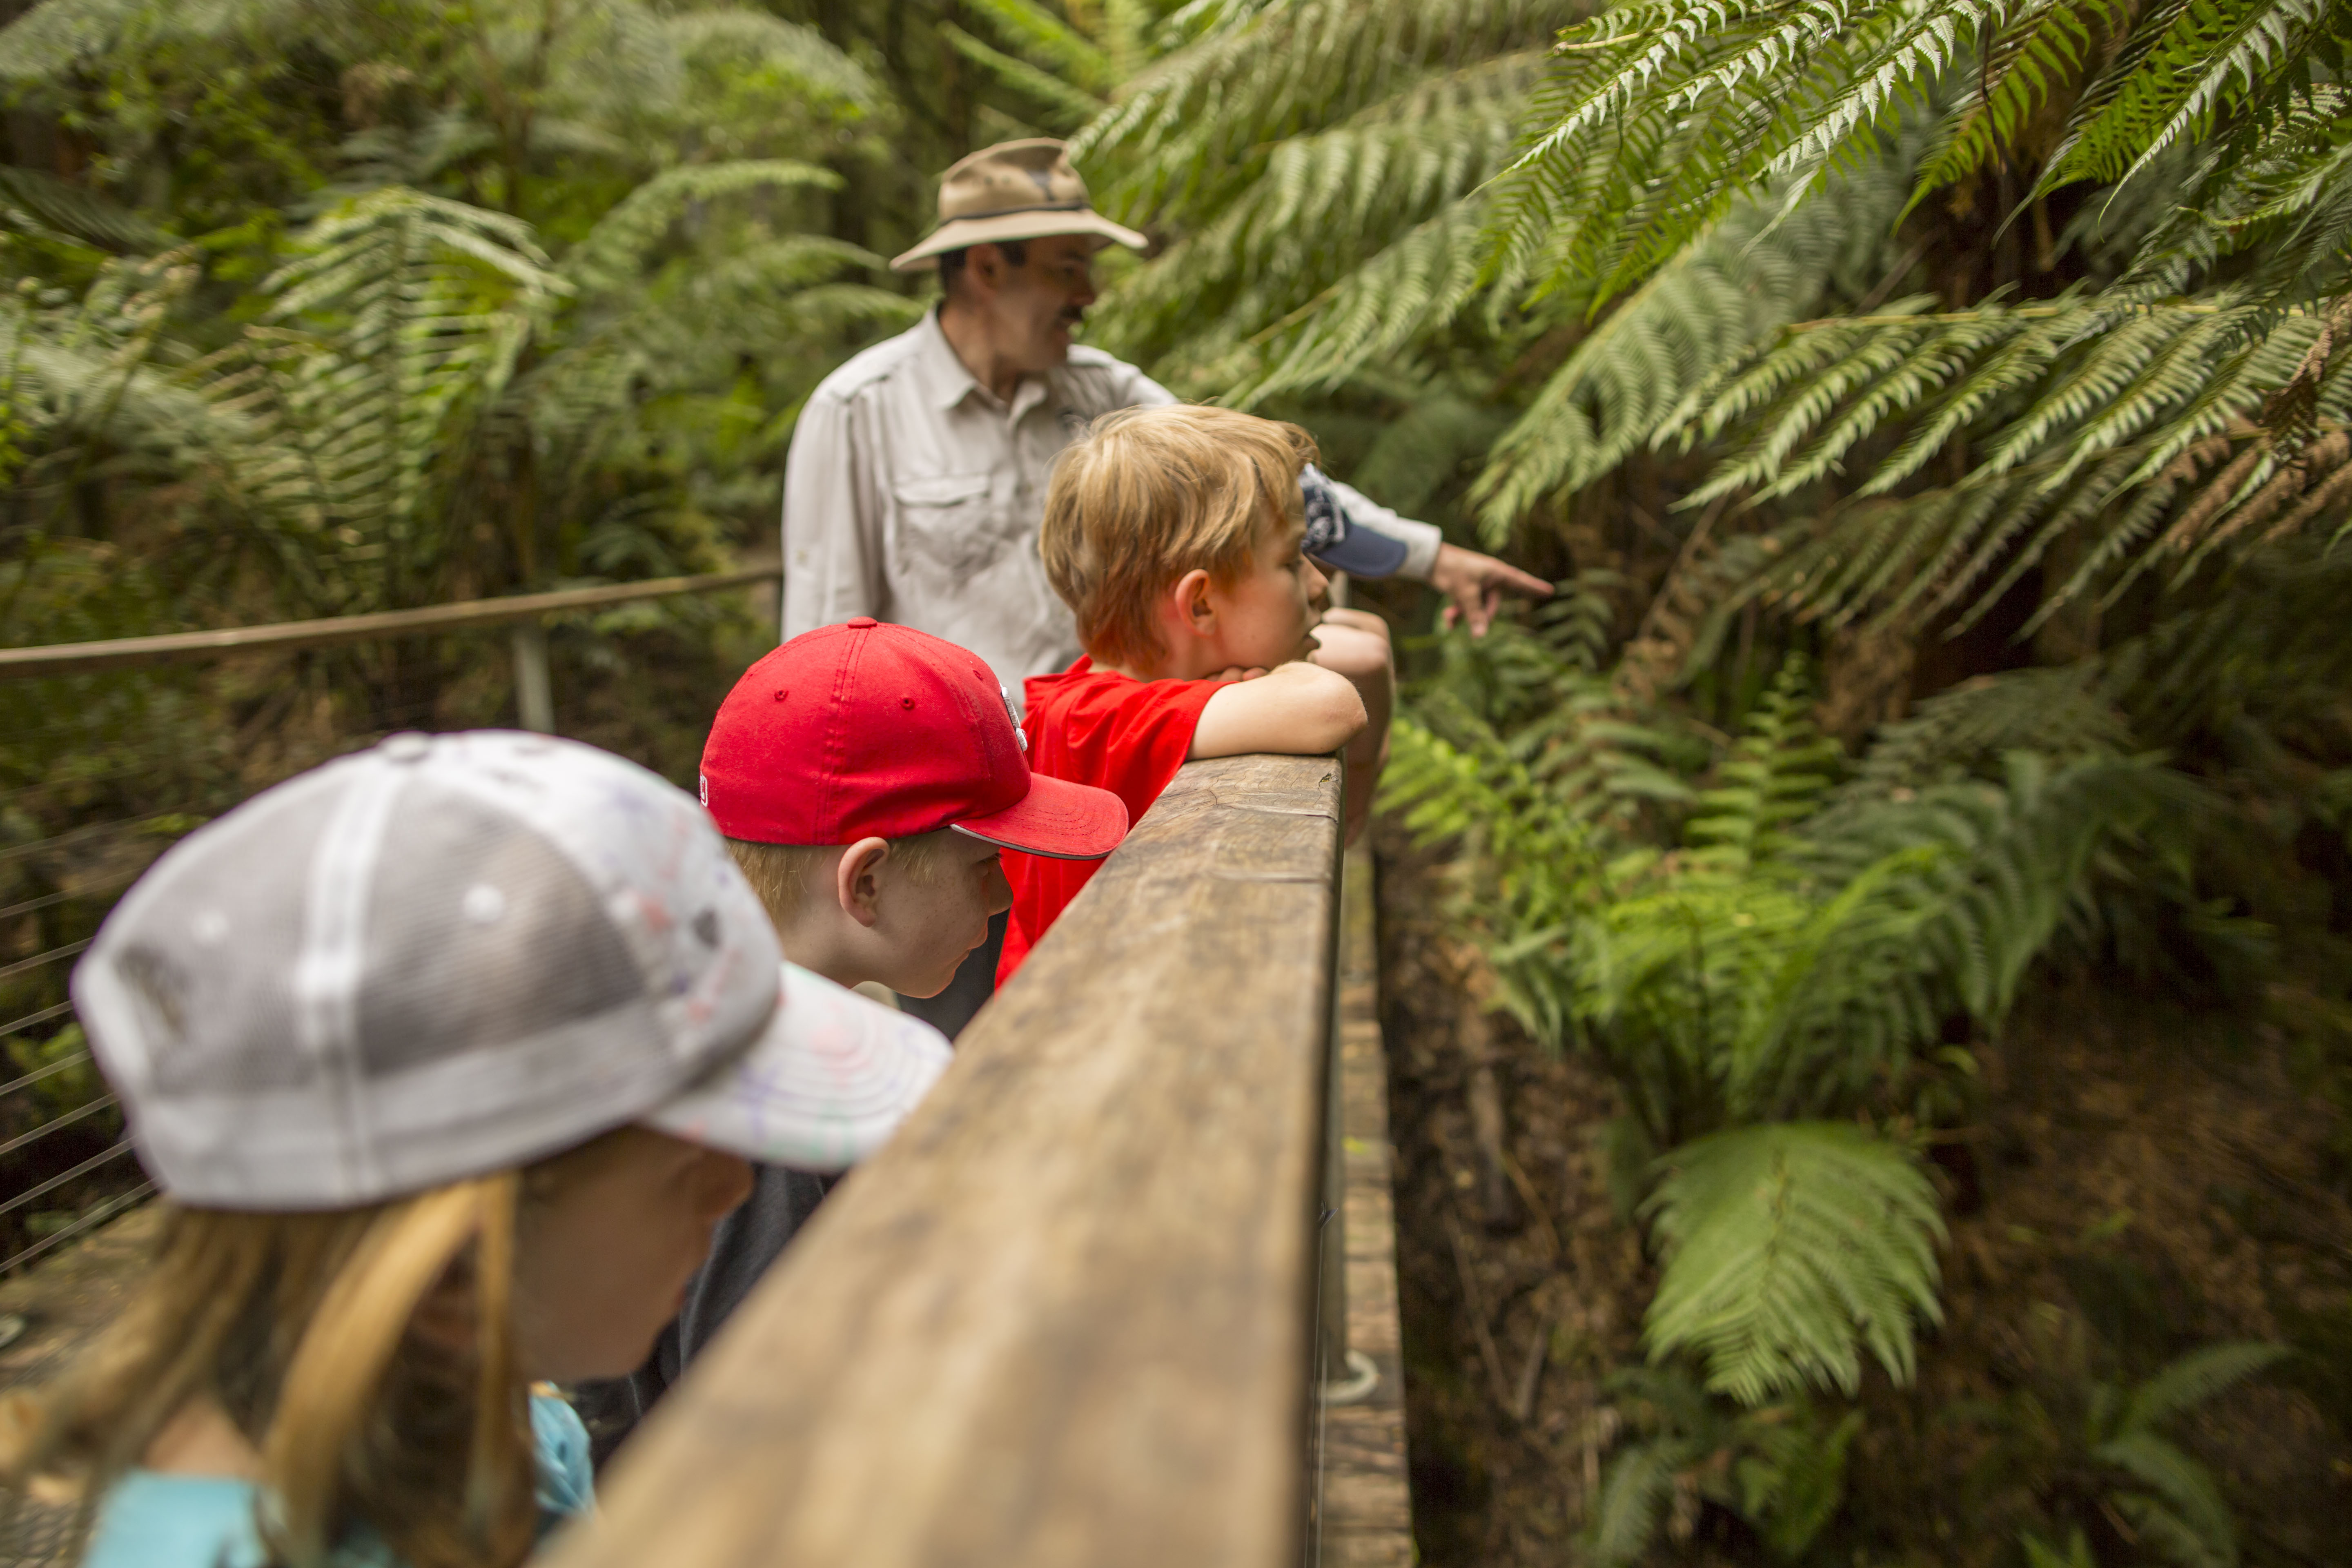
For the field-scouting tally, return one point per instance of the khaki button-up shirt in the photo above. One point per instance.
(913, 494)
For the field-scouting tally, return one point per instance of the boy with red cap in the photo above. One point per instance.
(866, 776)
(1184, 540)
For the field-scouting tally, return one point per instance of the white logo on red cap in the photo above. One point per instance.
(1019, 738)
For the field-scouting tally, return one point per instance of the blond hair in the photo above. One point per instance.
(298, 1325)
(784, 875)
(1149, 494)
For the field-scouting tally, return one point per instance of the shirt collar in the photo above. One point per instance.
(947, 381)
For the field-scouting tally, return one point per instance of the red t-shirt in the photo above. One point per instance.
(1094, 727)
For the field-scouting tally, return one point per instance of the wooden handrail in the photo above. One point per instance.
(67, 658)
(1063, 1320)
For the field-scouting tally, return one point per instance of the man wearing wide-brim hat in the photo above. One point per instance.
(917, 478)
(918, 471)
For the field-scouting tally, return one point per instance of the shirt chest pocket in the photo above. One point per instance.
(951, 524)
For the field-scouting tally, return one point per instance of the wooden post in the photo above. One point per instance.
(534, 693)
(1063, 1320)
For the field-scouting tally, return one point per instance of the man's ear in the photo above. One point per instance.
(1195, 611)
(984, 264)
(858, 879)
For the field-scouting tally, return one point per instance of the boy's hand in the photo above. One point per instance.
(1236, 672)
(1356, 645)
(1357, 620)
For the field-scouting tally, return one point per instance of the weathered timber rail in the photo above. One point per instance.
(1067, 1317)
(175, 648)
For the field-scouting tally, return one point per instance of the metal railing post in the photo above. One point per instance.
(534, 694)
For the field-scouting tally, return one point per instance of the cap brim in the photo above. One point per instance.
(827, 1081)
(1066, 821)
(958, 232)
(1360, 553)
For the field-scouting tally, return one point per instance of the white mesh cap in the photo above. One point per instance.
(448, 955)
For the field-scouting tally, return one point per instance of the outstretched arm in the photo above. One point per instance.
(1475, 584)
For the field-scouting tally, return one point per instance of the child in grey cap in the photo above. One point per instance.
(447, 1057)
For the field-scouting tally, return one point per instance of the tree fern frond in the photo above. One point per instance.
(811, 60)
(2212, 54)
(1703, 101)
(1070, 55)
(50, 39)
(2035, 55)
(1195, 125)
(429, 303)
(1766, 266)
(2081, 406)
(1386, 193)
(84, 215)
(612, 253)
(2062, 713)
(1787, 1248)
(1070, 105)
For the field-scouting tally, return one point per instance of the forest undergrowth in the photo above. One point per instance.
(2143, 1176)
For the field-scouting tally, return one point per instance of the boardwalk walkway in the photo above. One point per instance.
(1366, 1508)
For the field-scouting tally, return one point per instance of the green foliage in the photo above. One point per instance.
(1796, 958)
(1319, 164)
(1625, 383)
(1786, 959)
(404, 317)
(2040, 1554)
(1658, 116)
(1787, 1248)
(2146, 424)
(1782, 1469)
(2086, 1442)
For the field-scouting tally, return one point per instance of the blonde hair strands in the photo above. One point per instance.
(1149, 494)
(301, 1326)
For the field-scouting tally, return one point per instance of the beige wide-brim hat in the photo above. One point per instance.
(1014, 190)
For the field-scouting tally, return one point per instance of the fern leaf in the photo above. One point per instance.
(2182, 1510)
(1789, 1250)
(1073, 105)
(2193, 1378)
(613, 252)
(1634, 1494)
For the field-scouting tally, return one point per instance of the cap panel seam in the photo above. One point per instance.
(837, 735)
(333, 959)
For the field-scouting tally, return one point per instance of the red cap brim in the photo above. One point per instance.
(1067, 821)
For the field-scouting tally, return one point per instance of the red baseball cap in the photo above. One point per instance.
(866, 729)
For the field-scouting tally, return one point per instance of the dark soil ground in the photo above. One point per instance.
(2140, 1177)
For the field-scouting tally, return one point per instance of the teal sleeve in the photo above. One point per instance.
(567, 1482)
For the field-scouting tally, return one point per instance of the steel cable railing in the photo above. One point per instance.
(65, 1165)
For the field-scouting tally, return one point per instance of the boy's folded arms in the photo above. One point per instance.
(1292, 708)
